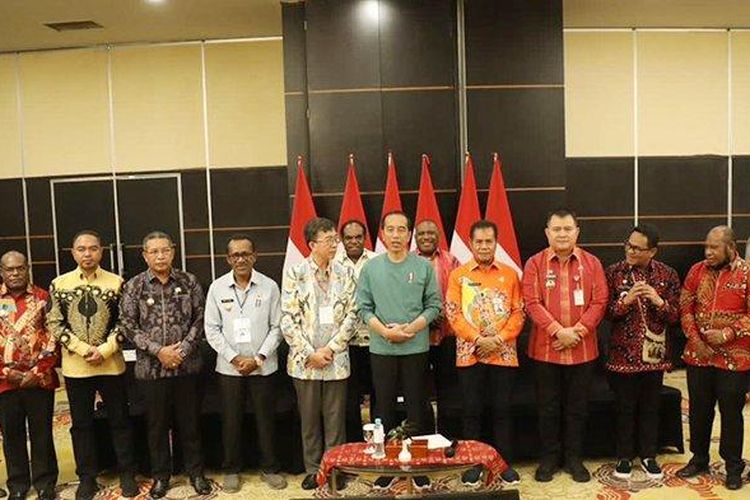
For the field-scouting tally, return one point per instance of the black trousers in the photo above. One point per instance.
(562, 393)
(443, 367)
(359, 385)
(35, 406)
(706, 387)
(81, 394)
(234, 391)
(168, 400)
(480, 384)
(637, 402)
(411, 372)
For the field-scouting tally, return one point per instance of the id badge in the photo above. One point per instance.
(578, 296)
(325, 315)
(242, 331)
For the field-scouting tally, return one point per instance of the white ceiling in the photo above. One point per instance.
(132, 21)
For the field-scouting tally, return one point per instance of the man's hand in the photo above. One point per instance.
(245, 364)
(170, 356)
(397, 334)
(635, 291)
(320, 358)
(14, 377)
(94, 357)
(485, 346)
(29, 381)
(650, 293)
(565, 338)
(715, 337)
(702, 350)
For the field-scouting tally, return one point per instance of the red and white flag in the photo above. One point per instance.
(468, 214)
(498, 211)
(391, 202)
(303, 210)
(351, 207)
(427, 207)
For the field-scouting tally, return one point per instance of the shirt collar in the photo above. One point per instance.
(473, 264)
(436, 254)
(552, 255)
(151, 276)
(94, 275)
(4, 290)
(253, 279)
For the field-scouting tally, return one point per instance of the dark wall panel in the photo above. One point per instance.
(341, 124)
(741, 184)
(514, 41)
(684, 228)
(11, 208)
(422, 122)
(342, 44)
(40, 214)
(604, 230)
(417, 42)
(194, 199)
(682, 185)
(295, 64)
(527, 128)
(249, 197)
(600, 186)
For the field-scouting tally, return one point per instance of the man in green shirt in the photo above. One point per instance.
(398, 298)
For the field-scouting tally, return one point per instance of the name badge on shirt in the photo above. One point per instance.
(7, 307)
(578, 296)
(325, 315)
(242, 330)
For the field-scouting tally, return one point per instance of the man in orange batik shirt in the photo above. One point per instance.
(485, 308)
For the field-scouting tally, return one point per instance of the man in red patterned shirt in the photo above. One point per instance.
(565, 292)
(715, 316)
(27, 381)
(644, 296)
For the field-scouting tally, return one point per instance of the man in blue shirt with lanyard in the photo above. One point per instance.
(242, 319)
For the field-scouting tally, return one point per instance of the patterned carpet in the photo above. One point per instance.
(603, 486)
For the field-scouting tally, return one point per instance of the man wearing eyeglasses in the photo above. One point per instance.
(354, 255)
(644, 297)
(162, 314)
(715, 317)
(242, 318)
(317, 321)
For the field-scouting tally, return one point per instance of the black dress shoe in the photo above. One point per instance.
(87, 488)
(545, 472)
(692, 470)
(310, 482)
(47, 494)
(733, 482)
(200, 485)
(159, 488)
(578, 471)
(129, 486)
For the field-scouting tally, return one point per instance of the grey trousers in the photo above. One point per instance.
(316, 400)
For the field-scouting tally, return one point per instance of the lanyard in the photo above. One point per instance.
(237, 296)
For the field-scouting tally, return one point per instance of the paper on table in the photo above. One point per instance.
(435, 441)
(128, 354)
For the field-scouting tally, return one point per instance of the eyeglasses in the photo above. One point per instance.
(158, 251)
(635, 248)
(235, 257)
(328, 240)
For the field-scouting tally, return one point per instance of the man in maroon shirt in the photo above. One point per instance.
(644, 299)
(27, 382)
(565, 292)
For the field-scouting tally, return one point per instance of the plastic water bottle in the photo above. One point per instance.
(378, 439)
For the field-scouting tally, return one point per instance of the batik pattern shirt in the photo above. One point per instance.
(628, 328)
(301, 322)
(361, 336)
(83, 316)
(485, 303)
(25, 344)
(717, 299)
(155, 314)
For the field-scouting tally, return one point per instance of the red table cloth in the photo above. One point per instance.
(467, 453)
